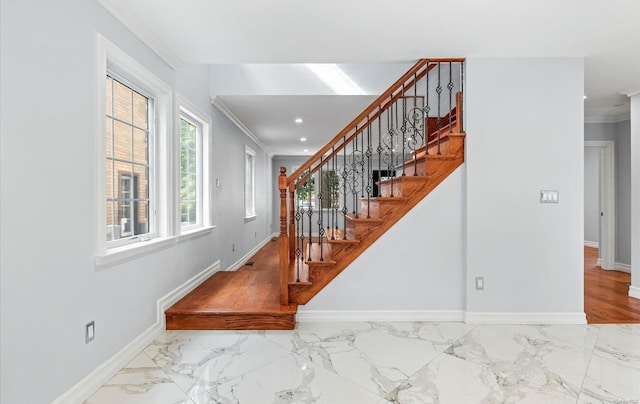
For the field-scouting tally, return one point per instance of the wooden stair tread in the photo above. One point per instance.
(364, 219)
(405, 178)
(343, 241)
(397, 199)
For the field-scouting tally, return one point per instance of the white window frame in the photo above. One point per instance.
(202, 121)
(249, 184)
(115, 62)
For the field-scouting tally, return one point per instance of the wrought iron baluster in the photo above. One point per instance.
(369, 170)
(344, 185)
(450, 87)
(361, 163)
(320, 212)
(309, 213)
(403, 129)
(354, 180)
(427, 109)
(379, 150)
(415, 109)
(390, 147)
(300, 231)
(336, 194)
(439, 92)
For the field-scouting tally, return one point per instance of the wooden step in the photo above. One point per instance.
(425, 165)
(367, 231)
(379, 207)
(239, 300)
(403, 186)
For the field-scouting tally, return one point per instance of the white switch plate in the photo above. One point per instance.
(549, 196)
(480, 283)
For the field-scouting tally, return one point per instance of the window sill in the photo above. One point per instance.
(132, 250)
(200, 231)
(250, 218)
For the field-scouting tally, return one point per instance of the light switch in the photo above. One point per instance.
(549, 196)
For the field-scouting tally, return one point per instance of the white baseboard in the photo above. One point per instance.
(622, 267)
(82, 390)
(524, 318)
(308, 316)
(618, 266)
(593, 244)
(238, 264)
(634, 292)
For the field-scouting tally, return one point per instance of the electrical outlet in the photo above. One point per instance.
(480, 283)
(233, 247)
(255, 235)
(90, 332)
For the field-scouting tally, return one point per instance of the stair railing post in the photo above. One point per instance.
(292, 222)
(283, 239)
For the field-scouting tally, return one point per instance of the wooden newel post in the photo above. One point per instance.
(292, 222)
(283, 240)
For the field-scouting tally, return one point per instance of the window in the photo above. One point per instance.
(134, 188)
(249, 183)
(190, 173)
(330, 190)
(129, 132)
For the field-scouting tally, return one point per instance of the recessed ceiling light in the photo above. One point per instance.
(306, 150)
(584, 97)
(298, 120)
(303, 139)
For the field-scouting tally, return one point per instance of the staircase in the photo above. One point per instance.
(337, 204)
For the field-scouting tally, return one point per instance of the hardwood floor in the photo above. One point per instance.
(246, 299)
(249, 297)
(606, 298)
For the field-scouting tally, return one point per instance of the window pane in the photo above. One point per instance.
(109, 142)
(111, 229)
(108, 90)
(141, 183)
(188, 173)
(122, 141)
(140, 112)
(122, 104)
(141, 225)
(140, 146)
(109, 182)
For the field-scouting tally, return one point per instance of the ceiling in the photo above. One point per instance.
(605, 33)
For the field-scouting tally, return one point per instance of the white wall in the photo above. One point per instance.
(418, 264)
(530, 254)
(592, 194)
(50, 286)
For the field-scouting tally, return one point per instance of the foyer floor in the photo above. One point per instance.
(606, 293)
(377, 363)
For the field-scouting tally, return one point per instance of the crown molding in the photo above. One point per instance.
(607, 118)
(129, 19)
(222, 107)
(630, 92)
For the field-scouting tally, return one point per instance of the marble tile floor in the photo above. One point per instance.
(413, 362)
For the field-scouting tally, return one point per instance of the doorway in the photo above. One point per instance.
(606, 196)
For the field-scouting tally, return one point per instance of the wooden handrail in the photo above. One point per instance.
(363, 115)
(377, 108)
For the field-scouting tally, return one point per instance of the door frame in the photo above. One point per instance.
(607, 192)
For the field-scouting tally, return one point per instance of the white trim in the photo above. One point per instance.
(607, 200)
(592, 244)
(524, 318)
(623, 267)
(625, 116)
(634, 292)
(240, 263)
(630, 92)
(221, 106)
(308, 316)
(100, 375)
(197, 232)
(131, 250)
(129, 19)
(192, 112)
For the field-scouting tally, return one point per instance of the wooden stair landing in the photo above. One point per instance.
(247, 299)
